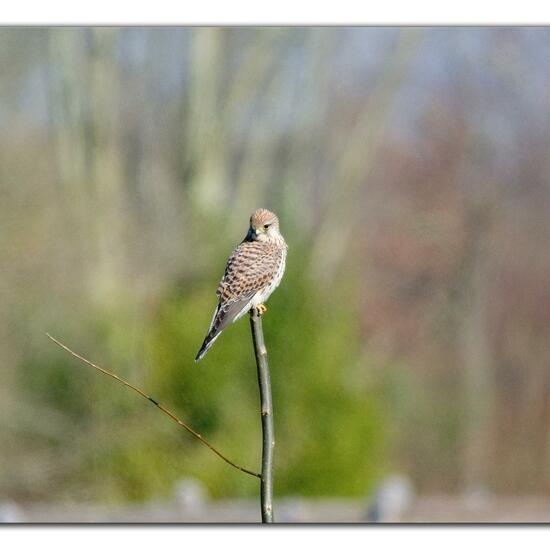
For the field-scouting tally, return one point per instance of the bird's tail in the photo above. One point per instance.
(223, 316)
(207, 344)
(213, 332)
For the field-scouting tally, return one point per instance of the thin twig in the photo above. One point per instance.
(268, 437)
(157, 404)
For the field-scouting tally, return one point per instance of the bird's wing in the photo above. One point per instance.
(249, 269)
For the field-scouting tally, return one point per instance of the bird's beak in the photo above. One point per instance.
(255, 232)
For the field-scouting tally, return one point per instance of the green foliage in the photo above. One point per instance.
(329, 425)
(329, 429)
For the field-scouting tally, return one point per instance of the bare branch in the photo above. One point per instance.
(266, 411)
(157, 404)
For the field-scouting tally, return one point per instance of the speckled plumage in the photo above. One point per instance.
(253, 272)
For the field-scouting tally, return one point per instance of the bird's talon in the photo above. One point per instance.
(261, 309)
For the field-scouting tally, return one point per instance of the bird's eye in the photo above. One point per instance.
(266, 226)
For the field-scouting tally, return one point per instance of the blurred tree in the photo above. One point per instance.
(409, 169)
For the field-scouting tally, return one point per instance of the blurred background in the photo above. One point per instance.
(408, 341)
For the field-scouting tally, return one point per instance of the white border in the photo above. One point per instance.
(248, 12)
(251, 12)
(276, 538)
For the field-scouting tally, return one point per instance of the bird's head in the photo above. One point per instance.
(264, 226)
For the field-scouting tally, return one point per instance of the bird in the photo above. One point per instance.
(253, 271)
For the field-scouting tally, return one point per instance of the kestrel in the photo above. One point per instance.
(253, 272)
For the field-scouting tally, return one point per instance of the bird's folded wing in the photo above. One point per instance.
(250, 268)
